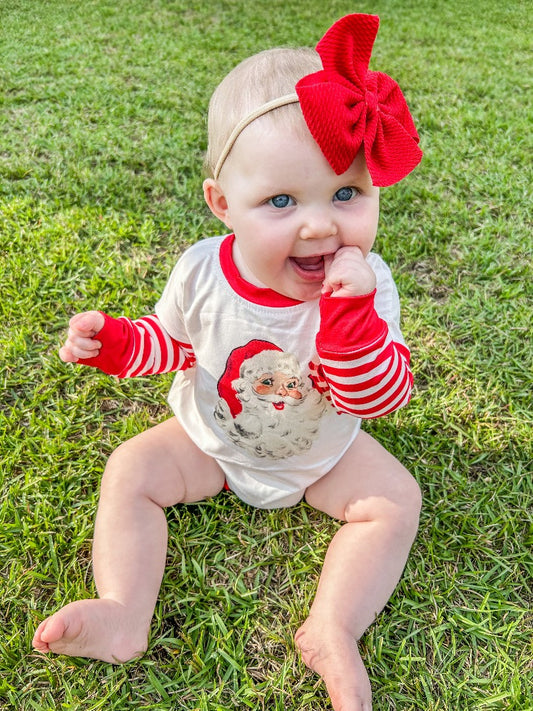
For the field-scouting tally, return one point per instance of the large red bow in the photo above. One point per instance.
(345, 105)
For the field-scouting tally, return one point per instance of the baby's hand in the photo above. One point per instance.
(348, 273)
(80, 341)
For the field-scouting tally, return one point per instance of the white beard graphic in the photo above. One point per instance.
(280, 413)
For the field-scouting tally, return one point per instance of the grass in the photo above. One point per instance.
(102, 126)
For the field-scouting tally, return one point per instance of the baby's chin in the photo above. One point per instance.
(310, 291)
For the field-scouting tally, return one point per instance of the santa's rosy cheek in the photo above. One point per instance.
(261, 389)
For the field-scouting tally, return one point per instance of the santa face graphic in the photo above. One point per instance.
(272, 384)
(266, 407)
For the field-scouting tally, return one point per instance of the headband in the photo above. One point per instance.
(346, 106)
(239, 128)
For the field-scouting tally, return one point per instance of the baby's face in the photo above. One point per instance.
(289, 210)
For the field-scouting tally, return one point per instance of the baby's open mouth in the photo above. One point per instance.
(310, 269)
(309, 264)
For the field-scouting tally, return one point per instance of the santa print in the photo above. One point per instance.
(266, 407)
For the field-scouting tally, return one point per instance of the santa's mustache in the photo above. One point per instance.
(276, 399)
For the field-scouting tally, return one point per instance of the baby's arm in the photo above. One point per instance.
(122, 347)
(367, 370)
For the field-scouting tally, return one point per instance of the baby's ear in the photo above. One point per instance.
(216, 201)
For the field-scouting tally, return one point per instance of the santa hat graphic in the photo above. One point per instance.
(232, 372)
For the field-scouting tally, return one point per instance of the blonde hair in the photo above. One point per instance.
(254, 82)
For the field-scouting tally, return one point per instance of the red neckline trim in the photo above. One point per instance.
(255, 294)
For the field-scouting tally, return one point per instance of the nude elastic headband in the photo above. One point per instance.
(239, 128)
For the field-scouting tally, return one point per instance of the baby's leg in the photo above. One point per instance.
(380, 502)
(158, 468)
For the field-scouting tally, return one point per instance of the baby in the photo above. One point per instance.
(284, 335)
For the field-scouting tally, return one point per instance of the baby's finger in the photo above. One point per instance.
(348, 274)
(327, 286)
(78, 351)
(86, 324)
(66, 355)
(76, 348)
(81, 339)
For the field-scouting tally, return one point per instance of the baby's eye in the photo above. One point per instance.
(281, 201)
(345, 194)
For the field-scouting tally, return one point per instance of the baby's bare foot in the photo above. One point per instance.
(98, 629)
(334, 654)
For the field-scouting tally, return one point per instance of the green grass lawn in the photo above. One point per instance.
(102, 123)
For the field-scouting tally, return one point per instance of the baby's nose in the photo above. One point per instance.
(317, 226)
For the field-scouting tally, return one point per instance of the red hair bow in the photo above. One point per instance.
(345, 105)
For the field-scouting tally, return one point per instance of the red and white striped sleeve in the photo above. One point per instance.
(367, 371)
(141, 347)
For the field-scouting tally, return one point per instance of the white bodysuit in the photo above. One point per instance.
(274, 389)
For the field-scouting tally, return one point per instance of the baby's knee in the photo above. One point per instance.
(411, 505)
(127, 468)
(398, 507)
(405, 504)
(409, 496)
